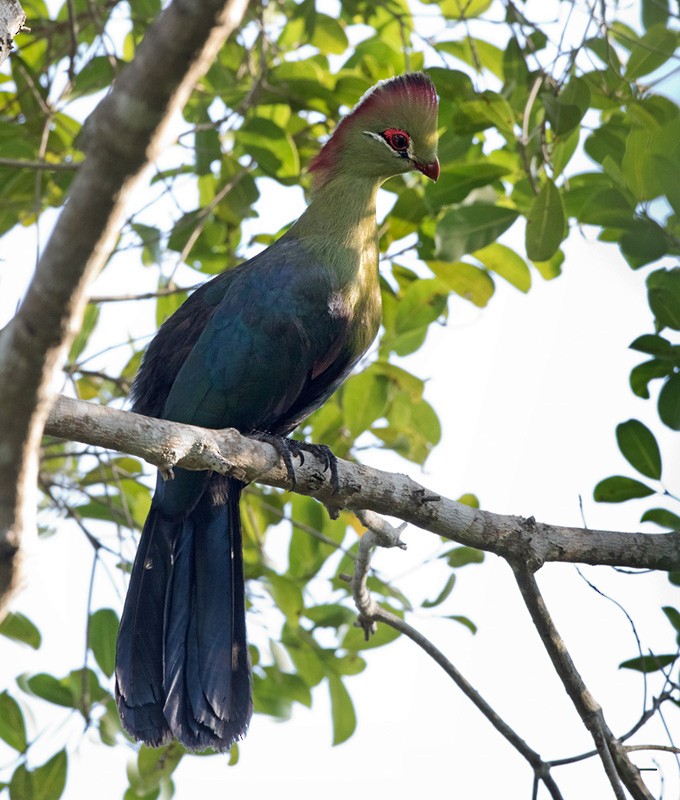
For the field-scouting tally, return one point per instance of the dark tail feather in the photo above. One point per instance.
(193, 683)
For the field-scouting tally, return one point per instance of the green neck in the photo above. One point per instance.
(339, 227)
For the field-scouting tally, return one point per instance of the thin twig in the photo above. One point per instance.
(48, 166)
(381, 533)
(618, 768)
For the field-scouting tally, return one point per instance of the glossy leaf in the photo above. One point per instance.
(663, 291)
(641, 376)
(651, 663)
(662, 517)
(102, 633)
(653, 344)
(48, 781)
(469, 228)
(652, 50)
(654, 12)
(342, 710)
(156, 764)
(445, 592)
(466, 280)
(639, 447)
(12, 725)
(456, 181)
(620, 488)
(461, 556)
(462, 620)
(643, 243)
(49, 688)
(18, 627)
(673, 616)
(505, 262)
(545, 223)
(89, 323)
(669, 402)
(364, 400)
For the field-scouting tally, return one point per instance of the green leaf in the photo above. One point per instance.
(342, 710)
(469, 228)
(99, 73)
(641, 375)
(669, 402)
(639, 175)
(330, 615)
(461, 556)
(644, 242)
(654, 12)
(12, 725)
(20, 628)
(456, 181)
(469, 500)
(673, 616)
(463, 621)
(506, 263)
(651, 663)
(667, 174)
(662, 517)
(21, 785)
(48, 781)
(48, 688)
(329, 35)
(653, 344)
(562, 151)
(287, 596)
(486, 110)
(445, 592)
(364, 400)
(477, 53)
(82, 337)
(546, 223)
(355, 639)
(619, 488)
(663, 291)
(466, 280)
(462, 9)
(102, 634)
(156, 764)
(562, 115)
(552, 268)
(276, 693)
(639, 448)
(650, 52)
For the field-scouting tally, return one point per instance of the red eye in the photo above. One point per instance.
(397, 139)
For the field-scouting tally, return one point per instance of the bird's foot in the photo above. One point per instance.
(293, 448)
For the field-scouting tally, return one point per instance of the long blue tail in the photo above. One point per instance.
(182, 667)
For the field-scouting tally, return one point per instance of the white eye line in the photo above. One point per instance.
(408, 153)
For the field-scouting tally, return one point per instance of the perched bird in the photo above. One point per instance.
(257, 348)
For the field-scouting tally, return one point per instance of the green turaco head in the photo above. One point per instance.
(392, 129)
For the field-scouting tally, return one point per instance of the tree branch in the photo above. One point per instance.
(12, 20)
(381, 534)
(167, 444)
(121, 137)
(618, 767)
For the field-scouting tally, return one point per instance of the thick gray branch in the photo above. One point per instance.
(12, 20)
(121, 137)
(166, 444)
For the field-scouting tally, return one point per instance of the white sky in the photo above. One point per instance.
(529, 391)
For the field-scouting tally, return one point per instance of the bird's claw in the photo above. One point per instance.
(289, 448)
